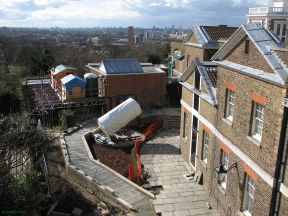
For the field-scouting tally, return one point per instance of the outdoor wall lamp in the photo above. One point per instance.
(221, 171)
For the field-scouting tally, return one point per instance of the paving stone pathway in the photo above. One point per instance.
(162, 160)
(79, 158)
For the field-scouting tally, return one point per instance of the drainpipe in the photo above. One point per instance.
(280, 165)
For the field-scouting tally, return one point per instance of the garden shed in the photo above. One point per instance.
(73, 88)
(59, 72)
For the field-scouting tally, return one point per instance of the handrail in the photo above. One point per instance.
(270, 10)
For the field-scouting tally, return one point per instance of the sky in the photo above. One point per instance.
(116, 13)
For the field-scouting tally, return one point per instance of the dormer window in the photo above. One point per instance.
(247, 47)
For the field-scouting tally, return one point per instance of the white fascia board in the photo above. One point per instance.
(237, 151)
(268, 77)
(284, 189)
(194, 45)
(202, 95)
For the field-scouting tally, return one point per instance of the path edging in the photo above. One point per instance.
(107, 191)
(137, 187)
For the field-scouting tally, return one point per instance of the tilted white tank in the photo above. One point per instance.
(119, 117)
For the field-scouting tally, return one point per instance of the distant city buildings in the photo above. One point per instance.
(138, 38)
(130, 35)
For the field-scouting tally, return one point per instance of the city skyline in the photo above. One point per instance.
(116, 13)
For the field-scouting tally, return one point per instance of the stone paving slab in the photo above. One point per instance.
(164, 164)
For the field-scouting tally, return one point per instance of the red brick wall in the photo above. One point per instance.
(150, 89)
(254, 59)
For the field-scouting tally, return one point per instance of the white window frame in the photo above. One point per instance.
(230, 103)
(258, 121)
(185, 126)
(225, 158)
(281, 24)
(259, 22)
(205, 152)
(248, 196)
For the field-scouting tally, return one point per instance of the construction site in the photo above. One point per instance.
(46, 96)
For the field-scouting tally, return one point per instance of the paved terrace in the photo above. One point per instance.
(80, 159)
(162, 160)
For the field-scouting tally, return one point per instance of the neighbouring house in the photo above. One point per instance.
(72, 88)
(202, 43)
(120, 79)
(274, 18)
(58, 73)
(234, 113)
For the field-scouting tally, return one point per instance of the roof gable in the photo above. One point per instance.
(121, 66)
(219, 33)
(72, 81)
(208, 73)
(61, 68)
(209, 36)
(263, 40)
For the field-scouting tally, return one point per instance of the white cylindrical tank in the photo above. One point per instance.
(119, 117)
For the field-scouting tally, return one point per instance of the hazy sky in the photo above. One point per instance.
(140, 13)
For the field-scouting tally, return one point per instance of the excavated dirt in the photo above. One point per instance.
(116, 159)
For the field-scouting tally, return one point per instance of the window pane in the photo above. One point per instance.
(258, 120)
(205, 147)
(249, 195)
(223, 177)
(230, 104)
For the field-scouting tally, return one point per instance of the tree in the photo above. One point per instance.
(42, 63)
(18, 136)
(154, 59)
(10, 98)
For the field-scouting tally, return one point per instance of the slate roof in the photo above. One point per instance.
(264, 41)
(208, 73)
(70, 81)
(212, 73)
(211, 36)
(121, 66)
(219, 33)
(61, 68)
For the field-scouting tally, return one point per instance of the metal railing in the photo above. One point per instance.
(269, 10)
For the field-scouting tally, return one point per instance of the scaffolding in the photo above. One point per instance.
(46, 100)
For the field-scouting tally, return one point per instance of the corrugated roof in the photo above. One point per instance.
(61, 68)
(212, 73)
(72, 81)
(121, 66)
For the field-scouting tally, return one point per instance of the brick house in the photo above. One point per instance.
(202, 43)
(234, 123)
(120, 79)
